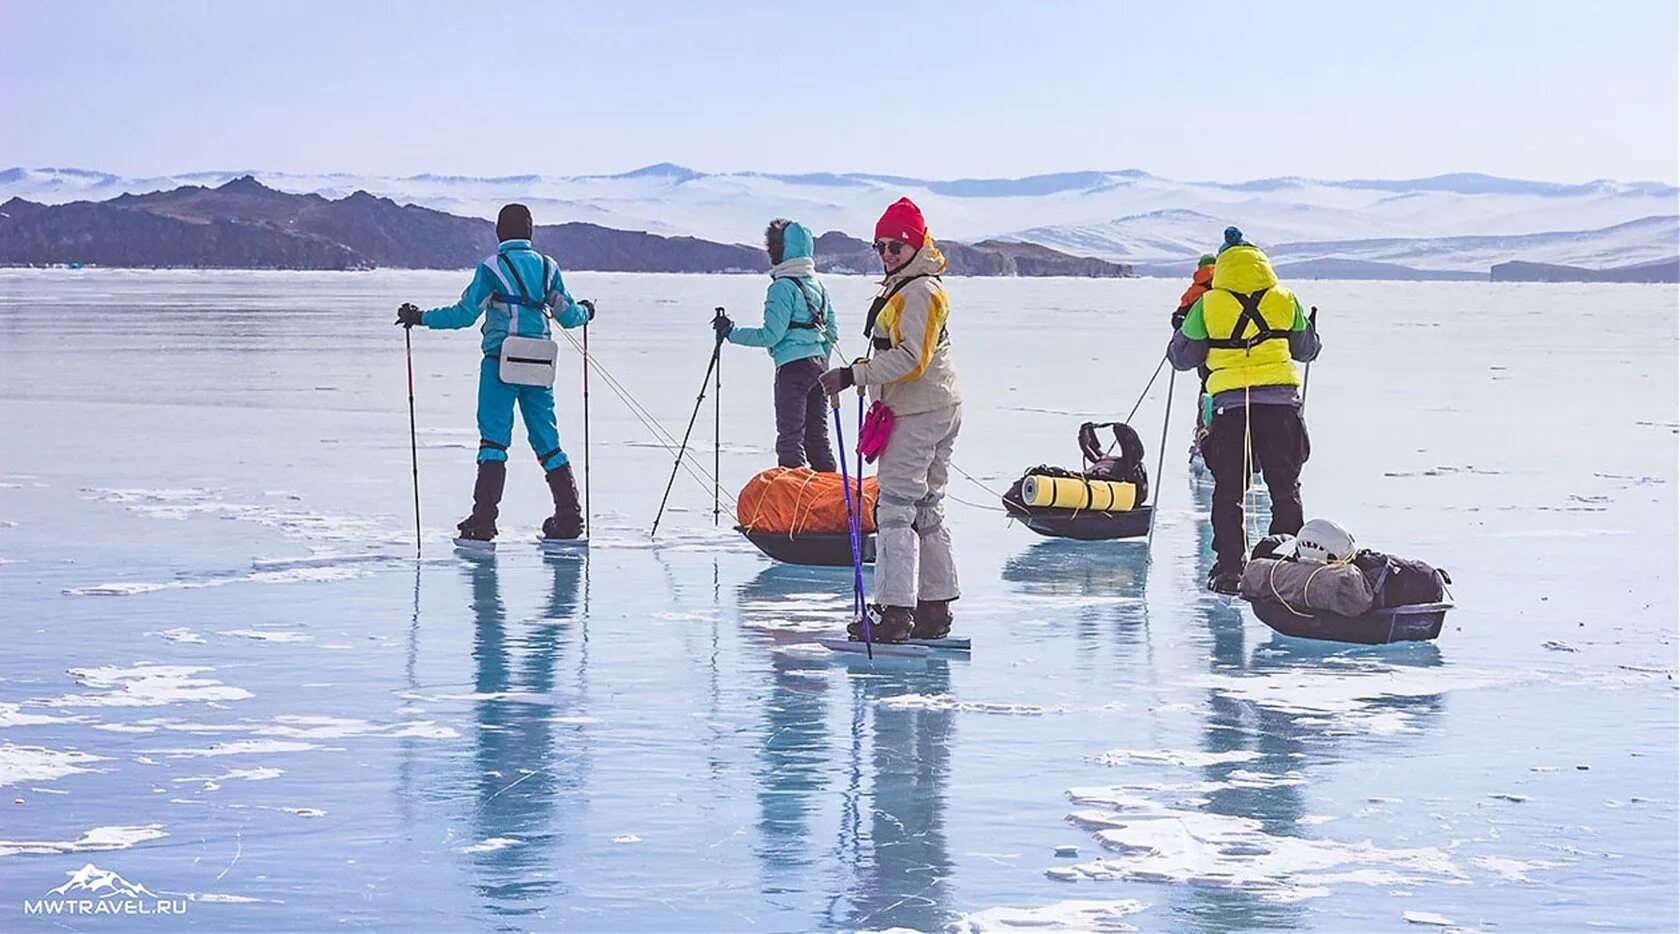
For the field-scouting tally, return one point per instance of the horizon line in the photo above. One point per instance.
(673, 168)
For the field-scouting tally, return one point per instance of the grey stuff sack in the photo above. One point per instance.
(1329, 588)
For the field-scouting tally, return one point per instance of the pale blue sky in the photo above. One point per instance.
(1204, 90)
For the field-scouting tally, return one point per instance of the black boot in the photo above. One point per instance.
(886, 624)
(567, 521)
(487, 498)
(933, 619)
(1226, 577)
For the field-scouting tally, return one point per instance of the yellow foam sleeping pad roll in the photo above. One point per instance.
(1078, 493)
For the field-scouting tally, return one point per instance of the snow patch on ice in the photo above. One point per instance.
(241, 747)
(946, 702)
(11, 715)
(180, 635)
(1179, 757)
(19, 764)
(197, 502)
(261, 773)
(491, 845)
(1059, 917)
(319, 561)
(96, 839)
(218, 898)
(1158, 843)
(306, 575)
(147, 685)
(267, 635)
(1514, 870)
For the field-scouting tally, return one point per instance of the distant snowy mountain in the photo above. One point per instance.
(1125, 216)
(1645, 240)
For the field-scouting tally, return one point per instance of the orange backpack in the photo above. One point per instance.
(798, 501)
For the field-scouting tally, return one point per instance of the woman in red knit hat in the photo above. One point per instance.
(910, 371)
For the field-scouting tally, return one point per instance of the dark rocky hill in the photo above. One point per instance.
(244, 224)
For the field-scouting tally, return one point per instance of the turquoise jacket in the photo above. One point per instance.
(787, 331)
(495, 288)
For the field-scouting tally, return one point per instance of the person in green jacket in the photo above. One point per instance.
(800, 332)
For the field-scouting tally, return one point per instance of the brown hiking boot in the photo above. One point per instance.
(933, 619)
(886, 624)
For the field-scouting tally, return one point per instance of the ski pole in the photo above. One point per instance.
(413, 445)
(854, 524)
(862, 601)
(591, 314)
(1160, 463)
(1306, 378)
(858, 449)
(699, 400)
(717, 438)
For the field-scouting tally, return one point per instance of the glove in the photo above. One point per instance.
(836, 381)
(588, 308)
(722, 325)
(1179, 316)
(408, 315)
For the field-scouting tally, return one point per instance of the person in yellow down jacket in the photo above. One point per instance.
(910, 371)
(1248, 331)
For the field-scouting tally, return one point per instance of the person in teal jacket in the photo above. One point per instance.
(515, 291)
(800, 332)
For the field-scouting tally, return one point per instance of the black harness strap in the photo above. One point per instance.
(1250, 302)
(544, 457)
(881, 301)
(882, 343)
(819, 317)
(524, 299)
(484, 444)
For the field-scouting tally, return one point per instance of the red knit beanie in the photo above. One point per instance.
(903, 221)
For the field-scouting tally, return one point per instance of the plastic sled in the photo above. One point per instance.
(1416, 622)
(1084, 525)
(828, 549)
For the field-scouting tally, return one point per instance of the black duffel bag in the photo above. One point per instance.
(1401, 581)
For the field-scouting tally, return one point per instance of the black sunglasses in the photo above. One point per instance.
(894, 247)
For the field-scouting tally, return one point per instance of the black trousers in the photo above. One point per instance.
(802, 416)
(1278, 444)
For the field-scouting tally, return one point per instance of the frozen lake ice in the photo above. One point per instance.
(226, 678)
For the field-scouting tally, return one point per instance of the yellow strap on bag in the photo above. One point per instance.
(1041, 491)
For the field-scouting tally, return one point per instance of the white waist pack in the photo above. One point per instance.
(528, 361)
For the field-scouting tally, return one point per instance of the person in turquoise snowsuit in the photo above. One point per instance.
(514, 291)
(800, 332)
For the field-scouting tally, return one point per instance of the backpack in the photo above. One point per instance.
(1127, 467)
